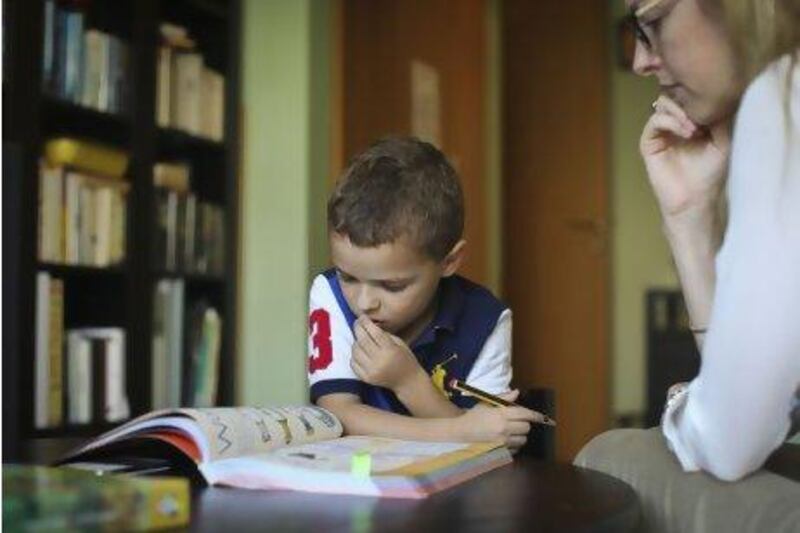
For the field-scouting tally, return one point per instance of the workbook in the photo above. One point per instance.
(289, 448)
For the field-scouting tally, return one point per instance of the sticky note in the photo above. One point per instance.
(361, 464)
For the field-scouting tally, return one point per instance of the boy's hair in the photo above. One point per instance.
(399, 187)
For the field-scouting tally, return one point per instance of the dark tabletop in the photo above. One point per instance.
(527, 496)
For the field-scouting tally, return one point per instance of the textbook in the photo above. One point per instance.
(297, 448)
(38, 498)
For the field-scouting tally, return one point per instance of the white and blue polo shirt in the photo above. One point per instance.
(469, 322)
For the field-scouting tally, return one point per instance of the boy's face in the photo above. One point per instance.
(393, 284)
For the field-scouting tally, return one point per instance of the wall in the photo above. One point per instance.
(284, 154)
(640, 256)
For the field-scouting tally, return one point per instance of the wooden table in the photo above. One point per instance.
(527, 496)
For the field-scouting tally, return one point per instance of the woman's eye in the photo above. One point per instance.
(344, 278)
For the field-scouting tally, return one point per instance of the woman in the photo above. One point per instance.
(721, 62)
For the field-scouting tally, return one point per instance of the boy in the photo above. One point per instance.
(393, 309)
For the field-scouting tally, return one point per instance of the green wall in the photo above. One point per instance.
(640, 255)
(285, 153)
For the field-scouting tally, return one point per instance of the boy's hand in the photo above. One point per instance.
(379, 358)
(510, 425)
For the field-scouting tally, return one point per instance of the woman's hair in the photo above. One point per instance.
(762, 31)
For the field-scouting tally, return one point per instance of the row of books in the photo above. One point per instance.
(83, 65)
(186, 349)
(79, 373)
(189, 95)
(190, 234)
(82, 218)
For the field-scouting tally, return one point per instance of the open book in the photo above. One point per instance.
(293, 448)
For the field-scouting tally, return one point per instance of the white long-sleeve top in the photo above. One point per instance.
(739, 408)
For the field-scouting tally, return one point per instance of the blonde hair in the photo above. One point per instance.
(762, 31)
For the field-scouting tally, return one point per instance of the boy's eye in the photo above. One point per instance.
(395, 287)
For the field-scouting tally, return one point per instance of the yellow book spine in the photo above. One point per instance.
(91, 157)
(56, 352)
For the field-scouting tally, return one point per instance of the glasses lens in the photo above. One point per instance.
(639, 32)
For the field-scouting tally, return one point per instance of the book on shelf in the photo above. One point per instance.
(95, 369)
(189, 232)
(189, 95)
(168, 331)
(186, 348)
(83, 65)
(204, 340)
(82, 218)
(91, 157)
(294, 448)
(48, 361)
(38, 498)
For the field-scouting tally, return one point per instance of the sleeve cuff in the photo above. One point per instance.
(672, 432)
(332, 386)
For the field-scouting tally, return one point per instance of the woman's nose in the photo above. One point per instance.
(645, 60)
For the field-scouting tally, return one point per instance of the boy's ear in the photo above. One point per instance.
(452, 262)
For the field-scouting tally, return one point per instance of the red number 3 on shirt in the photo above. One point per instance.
(319, 327)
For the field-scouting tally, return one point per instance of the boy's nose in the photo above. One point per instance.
(367, 300)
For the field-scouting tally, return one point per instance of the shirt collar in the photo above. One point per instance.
(450, 306)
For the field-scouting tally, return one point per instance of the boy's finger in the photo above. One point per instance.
(357, 369)
(515, 442)
(361, 353)
(510, 396)
(522, 413)
(519, 428)
(375, 333)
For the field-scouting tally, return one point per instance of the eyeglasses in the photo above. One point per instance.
(638, 30)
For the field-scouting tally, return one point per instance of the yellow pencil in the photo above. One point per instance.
(491, 399)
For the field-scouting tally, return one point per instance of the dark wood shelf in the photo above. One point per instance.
(65, 270)
(191, 277)
(120, 295)
(75, 431)
(68, 118)
(209, 7)
(174, 139)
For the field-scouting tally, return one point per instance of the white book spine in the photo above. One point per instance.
(93, 64)
(103, 200)
(163, 87)
(116, 398)
(116, 406)
(79, 356)
(72, 228)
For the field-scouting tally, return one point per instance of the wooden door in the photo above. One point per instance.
(375, 44)
(556, 264)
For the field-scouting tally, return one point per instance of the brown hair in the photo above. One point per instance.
(399, 187)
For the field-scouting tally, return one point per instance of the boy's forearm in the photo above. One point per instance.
(424, 400)
(360, 419)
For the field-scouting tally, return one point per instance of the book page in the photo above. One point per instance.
(387, 456)
(237, 431)
(223, 432)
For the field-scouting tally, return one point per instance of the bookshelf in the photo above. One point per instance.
(120, 294)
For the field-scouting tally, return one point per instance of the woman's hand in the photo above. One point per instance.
(509, 425)
(686, 163)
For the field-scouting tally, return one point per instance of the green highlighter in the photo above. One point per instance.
(361, 464)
